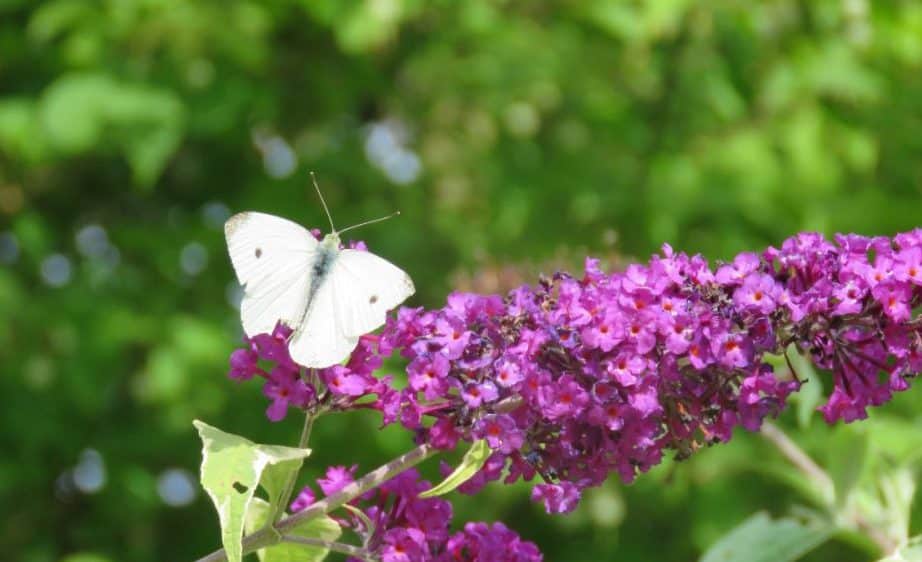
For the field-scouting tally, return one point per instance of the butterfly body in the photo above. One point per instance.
(329, 296)
(327, 252)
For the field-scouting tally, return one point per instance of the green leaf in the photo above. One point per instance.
(911, 552)
(54, 18)
(323, 528)
(232, 467)
(473, 461)
(762, 539)
(274, 479)
(896, 489)
(72, 111)
(82, 112)
(847, 461)
(20, 132)
(899, 438)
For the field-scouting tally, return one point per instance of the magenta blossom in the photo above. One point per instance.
(337, 478)
(606, 372)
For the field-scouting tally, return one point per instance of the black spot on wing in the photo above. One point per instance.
(259, 253)
(373, 299)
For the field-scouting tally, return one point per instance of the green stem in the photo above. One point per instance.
(862, 533)
(334, 546)
(800, 459)
(268, 536)
(285, 498)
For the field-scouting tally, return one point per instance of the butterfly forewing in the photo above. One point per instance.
(272, 257)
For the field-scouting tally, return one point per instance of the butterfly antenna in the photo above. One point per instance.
(322, 202)
(390, 216)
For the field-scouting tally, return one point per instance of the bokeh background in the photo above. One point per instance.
(515, 137)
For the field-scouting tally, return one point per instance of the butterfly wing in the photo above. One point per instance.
(272, 257)
(368, 286)
(320, 341)
(352, 300)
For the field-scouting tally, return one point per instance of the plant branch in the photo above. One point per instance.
(266, 536)
(334, 546)
(879, 537)
(285, 498)
(799, 458)
(802, 461)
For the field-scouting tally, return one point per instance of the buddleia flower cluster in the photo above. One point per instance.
(396, 525)
(578, 377)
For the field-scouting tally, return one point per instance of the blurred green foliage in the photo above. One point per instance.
(503, 130)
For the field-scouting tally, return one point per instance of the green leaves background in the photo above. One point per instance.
(542, 129)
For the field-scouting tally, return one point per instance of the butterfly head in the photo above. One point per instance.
(331, 241)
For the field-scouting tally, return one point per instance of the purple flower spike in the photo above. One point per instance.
(577, 378)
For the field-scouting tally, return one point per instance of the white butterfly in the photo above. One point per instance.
(328, 296)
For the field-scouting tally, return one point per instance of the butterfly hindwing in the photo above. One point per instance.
(352, 299)
(320, 340)
(272, 257)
